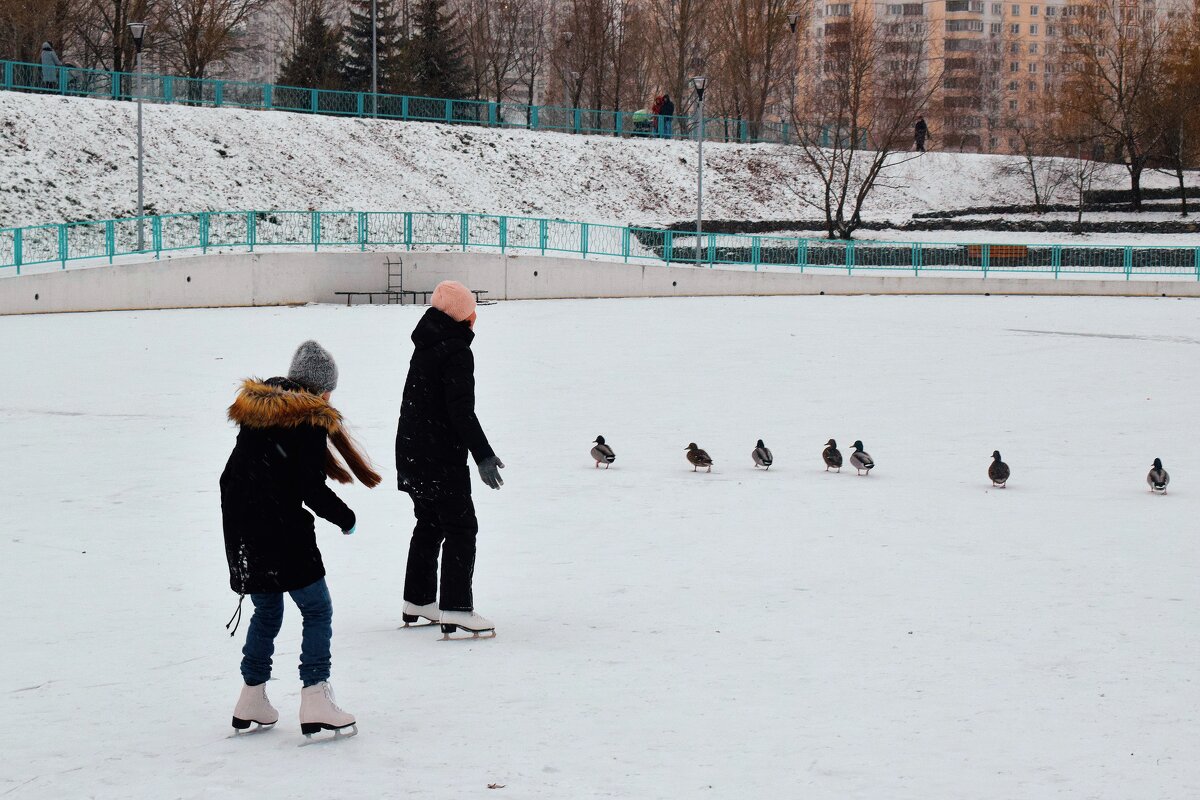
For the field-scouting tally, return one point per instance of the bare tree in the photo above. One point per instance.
(1178, 97)
(1114, 53)
(678, 41)
(1045, 176)
(869, 81)
(627, 56)
(754, 45)
(200, 33)
(1081, 175)
(533, 47)
(25, 24)
(492, 31)
(104, 34)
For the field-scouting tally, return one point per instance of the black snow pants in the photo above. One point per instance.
(447, 525)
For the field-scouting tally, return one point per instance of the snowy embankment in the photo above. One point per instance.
(911, 635)
(67, 159)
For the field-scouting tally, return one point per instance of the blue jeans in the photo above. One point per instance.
(317, 610)
(666, 126)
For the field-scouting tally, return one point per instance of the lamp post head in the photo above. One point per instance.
(138, 30)
(699, 82)
(793, 18)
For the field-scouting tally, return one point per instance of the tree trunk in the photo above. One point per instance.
(1182, 188)
(1135, 184)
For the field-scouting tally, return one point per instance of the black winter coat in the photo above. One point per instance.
(668, 108)
(277, 467)
(438, 425)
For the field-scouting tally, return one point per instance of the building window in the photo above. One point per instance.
(1051, 11)
(1033, 87)
(1016, 11)
(895, 10)
(1033, 11)
(1014, 48)
(1014, 67)
(1033, 48)
(1014, 29)
(1051, 30)
(838, 10)
(1012, 105)
(913, 9)
(1033, 30)
(1013, 86)
(997, 28)
(997, 9)
(1033, 67)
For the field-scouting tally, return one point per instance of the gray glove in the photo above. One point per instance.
(489, 471)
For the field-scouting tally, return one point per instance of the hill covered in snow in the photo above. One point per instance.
(64, 159)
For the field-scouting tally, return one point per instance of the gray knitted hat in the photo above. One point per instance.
(313, 368)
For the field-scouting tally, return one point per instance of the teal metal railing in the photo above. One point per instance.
(111, 85)
(76, 242)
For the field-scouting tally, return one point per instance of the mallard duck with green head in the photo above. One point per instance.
(861, 460)
(602, 453)
(762, 455)
(1158, 478)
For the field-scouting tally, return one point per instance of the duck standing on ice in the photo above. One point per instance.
(861, 460)
(603, 453)
(698, 458)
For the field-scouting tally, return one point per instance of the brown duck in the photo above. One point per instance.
(698, 458)
(832, 456)
(998, 471)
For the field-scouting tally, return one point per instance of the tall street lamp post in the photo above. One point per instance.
(567, 73)
(793, 20)
(138, 30)
(374, 61)
(698, 83)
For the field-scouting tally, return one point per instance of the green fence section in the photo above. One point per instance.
(110, 85)
(71, 243)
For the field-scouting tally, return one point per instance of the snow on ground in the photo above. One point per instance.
(65, 159)
(663, 634)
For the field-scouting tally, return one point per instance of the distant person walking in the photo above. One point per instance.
(921, 133)
(437, 429)
(50, 67)
(656, 111)
(668, 116)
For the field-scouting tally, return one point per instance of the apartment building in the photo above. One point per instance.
(997, 65)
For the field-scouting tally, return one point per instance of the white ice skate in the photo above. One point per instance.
(319, 712)
(413, 614)
(478, 626)
(253, 708)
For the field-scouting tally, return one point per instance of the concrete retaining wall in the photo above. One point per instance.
(263, 279)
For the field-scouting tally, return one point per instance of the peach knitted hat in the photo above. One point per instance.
(454, 300)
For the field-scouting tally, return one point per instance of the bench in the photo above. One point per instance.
(398, 297)
(996, 251)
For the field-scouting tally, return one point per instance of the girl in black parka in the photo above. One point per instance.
(437, 429)
(279, 466)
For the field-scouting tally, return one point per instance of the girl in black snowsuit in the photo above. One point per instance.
(437, 429)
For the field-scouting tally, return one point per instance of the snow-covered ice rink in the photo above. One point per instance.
(662, 634)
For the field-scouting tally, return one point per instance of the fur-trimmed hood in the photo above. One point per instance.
(282, 403)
